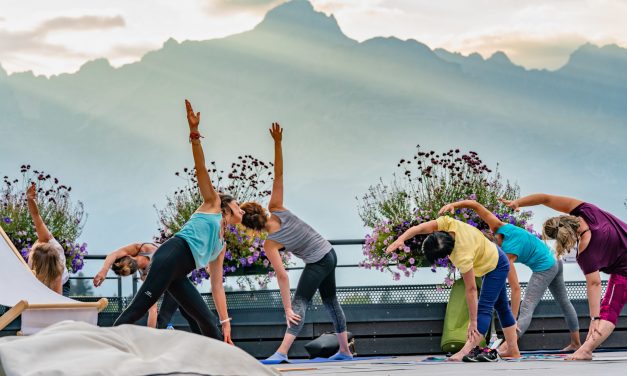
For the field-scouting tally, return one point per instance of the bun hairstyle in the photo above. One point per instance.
(563, 230)
(124, 266)
(46, 263)
(437, 246)
(255, 216)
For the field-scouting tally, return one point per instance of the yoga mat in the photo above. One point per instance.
(322, 360)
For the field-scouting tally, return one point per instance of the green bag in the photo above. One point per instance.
(456, 319)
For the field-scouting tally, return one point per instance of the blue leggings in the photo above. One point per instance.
(494, 296)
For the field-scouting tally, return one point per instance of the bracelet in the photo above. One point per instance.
(594, 318)
(226, 320)
(195, 136)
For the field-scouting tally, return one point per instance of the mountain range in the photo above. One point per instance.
(350, 111)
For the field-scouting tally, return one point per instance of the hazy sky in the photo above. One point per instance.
(51, 37)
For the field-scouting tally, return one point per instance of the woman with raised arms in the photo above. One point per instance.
(198, 243)
(286, 230)
(600, 240)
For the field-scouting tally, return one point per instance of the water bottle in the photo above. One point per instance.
(493, 339)
(169, 326)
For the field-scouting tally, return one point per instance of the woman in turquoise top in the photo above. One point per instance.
(200, 242)
(523, 247)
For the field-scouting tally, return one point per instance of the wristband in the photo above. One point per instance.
(594, 318)
(194, 136)
(226, 320)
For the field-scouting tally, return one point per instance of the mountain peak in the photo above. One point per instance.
(499, 57)
(299, 18)
(591, 60)
(97, 66)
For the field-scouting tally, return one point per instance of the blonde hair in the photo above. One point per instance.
(46, 263)
(564, 230)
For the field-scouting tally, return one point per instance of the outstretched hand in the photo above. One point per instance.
(510, 203)
(447, 208)
(276, 132)
(396, 245)
(192, 119)
(31, 192)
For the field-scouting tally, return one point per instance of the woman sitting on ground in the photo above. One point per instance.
(46, 256)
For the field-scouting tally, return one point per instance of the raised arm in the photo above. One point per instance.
(423, 228)
(276, 200)
(43, 234)
(559, 203)
(272, 252)
(219, 296)
(128, 250)
(484, 213)
(210, 196)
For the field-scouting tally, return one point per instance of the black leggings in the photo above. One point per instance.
(171, 264)
(320, 276)
(166, 311)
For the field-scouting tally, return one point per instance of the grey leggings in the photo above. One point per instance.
(553, 279)
(319, 276)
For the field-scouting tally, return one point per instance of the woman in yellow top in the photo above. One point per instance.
(475, 256)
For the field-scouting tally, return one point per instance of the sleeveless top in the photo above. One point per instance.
(530, 250)
(144, 272)
(299, 238)
(202, 234)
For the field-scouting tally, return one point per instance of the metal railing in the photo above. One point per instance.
(135, 279)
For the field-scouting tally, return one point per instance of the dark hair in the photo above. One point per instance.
(225, 200)
(255, 216)
(437, 246)
(124, 266)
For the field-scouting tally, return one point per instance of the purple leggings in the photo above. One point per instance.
(614, 299)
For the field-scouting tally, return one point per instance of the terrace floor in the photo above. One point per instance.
(608, 363)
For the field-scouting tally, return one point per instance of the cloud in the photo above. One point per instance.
(530, 51)
(238, 6)
(35, 40)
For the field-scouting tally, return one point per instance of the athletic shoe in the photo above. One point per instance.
(341, 356)
(471, 357)
(488, 355)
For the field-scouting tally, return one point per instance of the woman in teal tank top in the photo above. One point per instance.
(197, 244)
(523, 247)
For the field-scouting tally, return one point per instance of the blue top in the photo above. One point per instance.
(202, 233)
(530, 250)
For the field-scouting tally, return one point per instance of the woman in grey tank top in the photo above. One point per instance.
(287, 231)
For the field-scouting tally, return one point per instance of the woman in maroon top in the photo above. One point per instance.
(601, 242)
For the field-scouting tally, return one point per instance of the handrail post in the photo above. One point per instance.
(120, 294)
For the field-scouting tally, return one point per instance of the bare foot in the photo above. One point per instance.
(503, 348)
(572, 347)
(581, 354)
(456, 358)
(510, 354)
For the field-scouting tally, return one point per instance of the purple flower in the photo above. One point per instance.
(7, 220)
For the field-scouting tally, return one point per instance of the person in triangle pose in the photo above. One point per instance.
(548, 272)
(286, 230)
(199, 242)
(600, 240)
(475, 256)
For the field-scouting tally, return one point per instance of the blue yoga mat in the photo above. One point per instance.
(322, 360)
